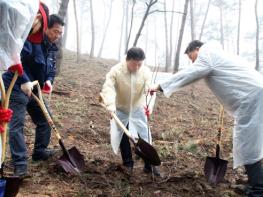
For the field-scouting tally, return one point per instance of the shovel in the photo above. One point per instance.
(72, 161)
(143, 149)
(215, 168)
(9, 185)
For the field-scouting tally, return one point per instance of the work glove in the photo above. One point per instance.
(18, 68)
(5, 116)
(147, 112)
(27, 88)
(47, 89)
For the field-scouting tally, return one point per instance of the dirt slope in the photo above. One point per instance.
(184, 131)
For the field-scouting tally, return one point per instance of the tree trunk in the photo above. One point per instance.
(179, 43)
(126, 25)
(167, 55)
(146, 41)
(257, 36)
(192, 20)
(65, 35)
(105, 30)
(92, 30)
(151, 3)
(203, 24)
(122, 25)
(221, 27)
(77, 30)
(155, 46)
(238, 28)
(129, 35)
(62, 13)
(171, 35)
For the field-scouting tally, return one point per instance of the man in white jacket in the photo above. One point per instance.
(239, 88)
(124, 93)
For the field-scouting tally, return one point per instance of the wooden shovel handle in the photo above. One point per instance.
(221, 124)
(41, 104)
(5, 97)
(115, 117)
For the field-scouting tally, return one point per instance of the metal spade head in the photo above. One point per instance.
(74, 164)
(147, 152)
(215, 168)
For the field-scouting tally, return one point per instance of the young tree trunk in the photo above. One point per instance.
(167, 55)
(77, 30)
(203, 24)
(238, 28)
(129, 35)
(179, 43)
(149, 5)
(62, 13)
(146, 41)
(65, 35)
(105, 30)
(126, 24)
(171, 35)
(221, 27)
(155, 46)
(122, 25)
(192, 20)
(257, 35)
(92, 30)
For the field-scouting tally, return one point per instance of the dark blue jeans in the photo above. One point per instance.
(20, 103)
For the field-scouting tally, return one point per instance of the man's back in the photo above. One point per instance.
(231, 79)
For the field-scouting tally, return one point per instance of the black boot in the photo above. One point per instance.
(255, 179)
(151, 169)
(42, 155)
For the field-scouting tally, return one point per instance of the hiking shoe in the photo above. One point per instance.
(42, 155)
(20, 171)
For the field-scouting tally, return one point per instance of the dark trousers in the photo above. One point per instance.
(255, 179)
(126, 152)
(20, 103)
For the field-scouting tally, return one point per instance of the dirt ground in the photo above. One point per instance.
(184, 131)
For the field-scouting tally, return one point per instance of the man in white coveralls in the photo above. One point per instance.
(124, 92)
(240, 89)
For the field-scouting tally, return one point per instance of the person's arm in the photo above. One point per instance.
(26, 53)
(151, 96)
(51, 71)
(108, 91)
(51, 61)
(199, 69)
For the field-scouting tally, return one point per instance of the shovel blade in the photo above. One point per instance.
(12, 186)
(75, 164)
(147, 152)
(215, 169)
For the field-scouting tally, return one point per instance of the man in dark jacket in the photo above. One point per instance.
(38, 60)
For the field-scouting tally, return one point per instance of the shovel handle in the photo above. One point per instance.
(120, 124)
(41, 103)
(5, 97)
(221, 122)
(115, 117)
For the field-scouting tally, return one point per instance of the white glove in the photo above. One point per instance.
(27, 88)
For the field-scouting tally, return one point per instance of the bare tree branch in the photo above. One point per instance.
(154, 11)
